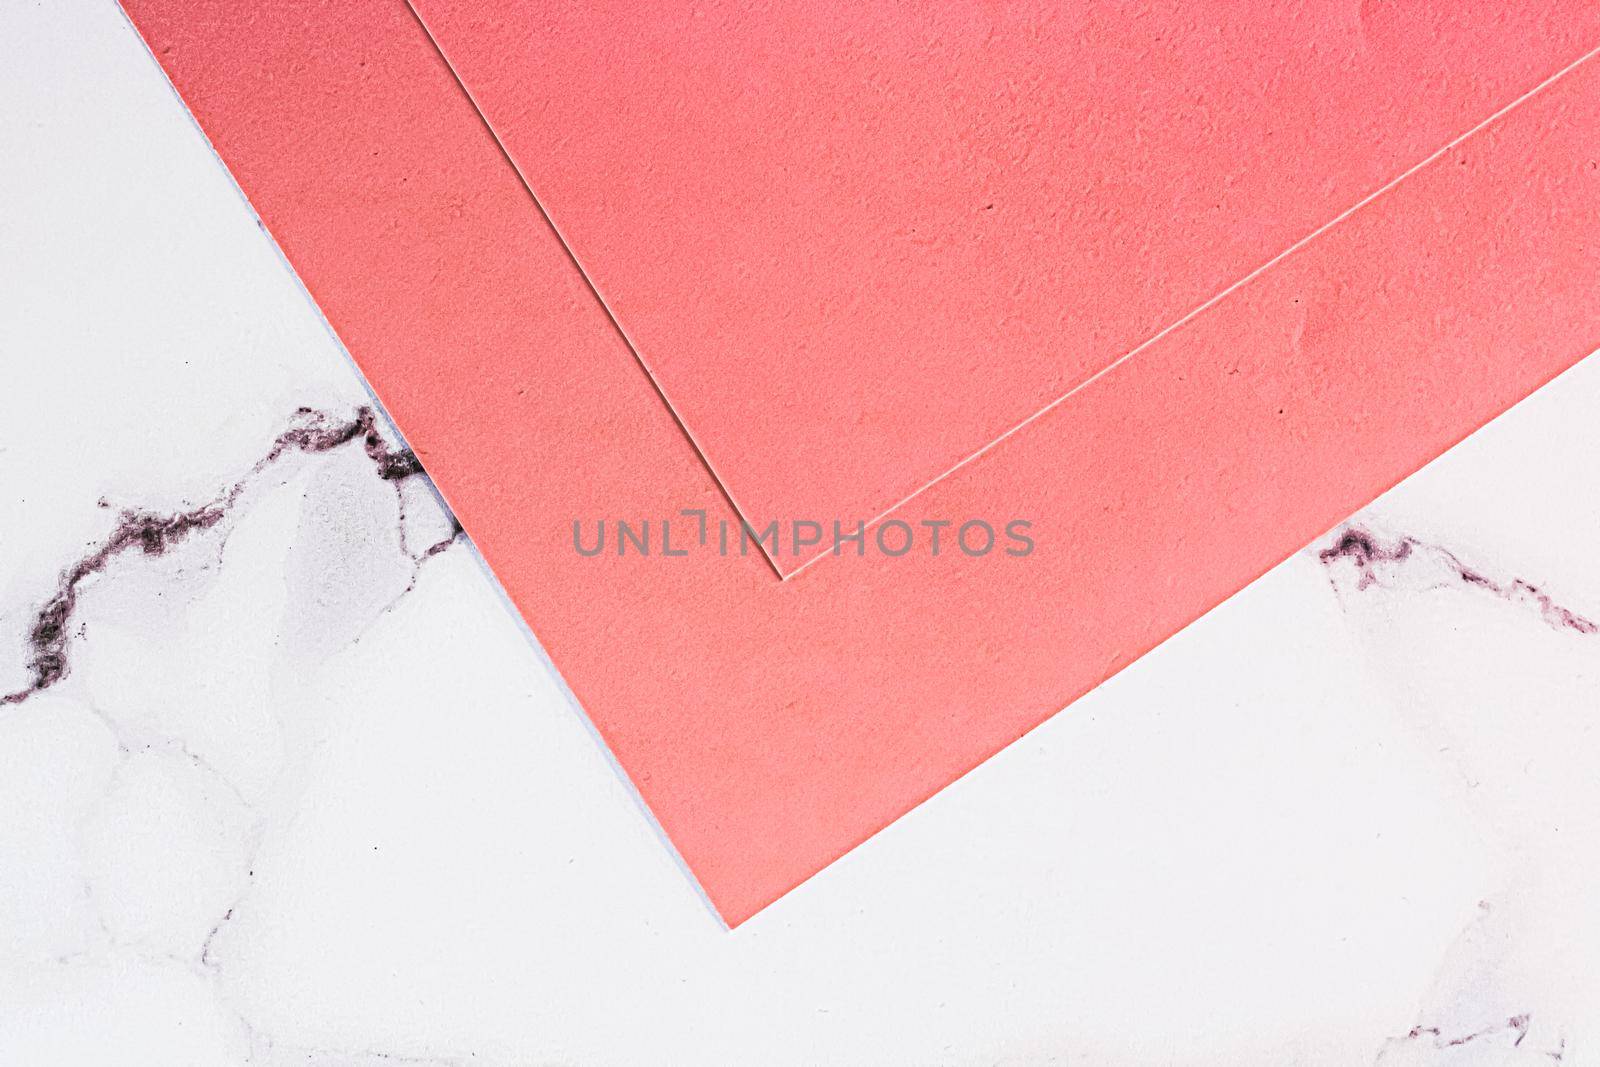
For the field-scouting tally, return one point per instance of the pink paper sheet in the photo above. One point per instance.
(771, 726)
(855, 243)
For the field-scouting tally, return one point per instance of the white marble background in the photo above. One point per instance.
(309, 794)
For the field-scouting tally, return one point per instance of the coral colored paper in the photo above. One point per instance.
(772, 726)
(857, 242)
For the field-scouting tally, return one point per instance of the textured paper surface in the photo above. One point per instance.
(771, 726)
(857, 242)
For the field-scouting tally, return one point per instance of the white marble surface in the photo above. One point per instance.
(308, 792)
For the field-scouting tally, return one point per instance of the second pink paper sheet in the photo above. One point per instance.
(855, 243)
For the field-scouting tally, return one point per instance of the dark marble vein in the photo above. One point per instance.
(154, 534)
(1367, 551)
